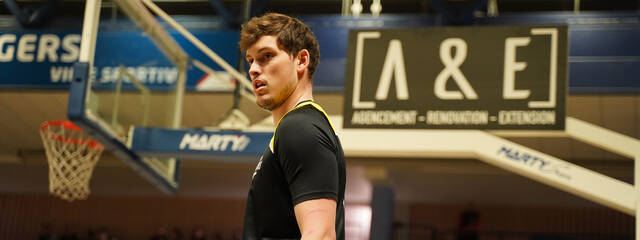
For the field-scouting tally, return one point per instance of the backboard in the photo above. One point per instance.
(137, 79)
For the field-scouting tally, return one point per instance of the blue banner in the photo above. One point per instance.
(200, 144)
(44, 59)
(603, 54)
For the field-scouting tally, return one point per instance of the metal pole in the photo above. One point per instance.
(89, 32)
(376, 8)
(346, 7)
(176, 122)
(492, 8)
(356, 8)
(576, 6)
(88, 39)
(197, 43)
(116, 100)
(246, 14)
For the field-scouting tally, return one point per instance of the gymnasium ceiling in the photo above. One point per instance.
(23, 168)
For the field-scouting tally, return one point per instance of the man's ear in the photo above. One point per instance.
(303, 58)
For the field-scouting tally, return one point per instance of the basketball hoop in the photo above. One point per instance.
(72, 155)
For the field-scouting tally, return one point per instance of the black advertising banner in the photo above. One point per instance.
(511, 78)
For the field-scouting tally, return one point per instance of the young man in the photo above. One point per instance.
(297, 190)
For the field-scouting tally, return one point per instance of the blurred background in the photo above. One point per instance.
(427, 198)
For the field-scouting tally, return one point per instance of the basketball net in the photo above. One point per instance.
(71, 155)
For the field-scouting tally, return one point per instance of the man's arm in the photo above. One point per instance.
(316, 219)
(309, 163)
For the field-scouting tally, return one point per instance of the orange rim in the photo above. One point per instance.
(69, 126)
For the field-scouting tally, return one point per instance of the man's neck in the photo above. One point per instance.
(301, 93)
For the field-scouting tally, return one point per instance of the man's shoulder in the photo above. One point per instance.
(303, 122)
(306, 116)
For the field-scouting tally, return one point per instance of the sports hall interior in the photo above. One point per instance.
(431, 198)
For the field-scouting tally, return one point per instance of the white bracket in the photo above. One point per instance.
(511, 156)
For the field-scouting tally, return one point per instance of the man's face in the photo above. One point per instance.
(272, 71)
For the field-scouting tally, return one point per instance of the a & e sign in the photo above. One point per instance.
(512, 77)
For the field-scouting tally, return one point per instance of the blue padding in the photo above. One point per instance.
(232, 146)
(605, 77)
(596, 41)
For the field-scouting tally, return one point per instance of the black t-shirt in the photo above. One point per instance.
(304, 161)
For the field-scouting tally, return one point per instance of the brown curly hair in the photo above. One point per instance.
(292, 34)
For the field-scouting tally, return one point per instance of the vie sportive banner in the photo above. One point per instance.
(44, 59)
(509, 77)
